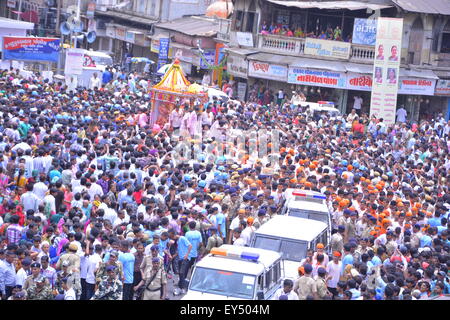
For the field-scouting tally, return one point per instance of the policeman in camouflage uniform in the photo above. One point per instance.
(74, 278)
(113, 261)
(40, 290)
(154, 282)
(110, 287)
(261, 219)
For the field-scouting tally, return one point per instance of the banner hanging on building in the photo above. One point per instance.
(31, 48)
(386, 69)
(327, 48)
(237, 66)
(424, 87)
(163, 52)
(268, 71)
(74, 61)
(320, 78)
(443, 88)
(357, 81)
(365, 31)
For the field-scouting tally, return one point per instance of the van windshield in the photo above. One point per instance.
(224, 283)
(99, 60)
(289, 249)
(308, 214)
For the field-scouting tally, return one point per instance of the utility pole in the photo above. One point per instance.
(20, 10)
(58, 16)
(78, 19)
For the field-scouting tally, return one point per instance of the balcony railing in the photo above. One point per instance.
(281, 44)
(296, 46)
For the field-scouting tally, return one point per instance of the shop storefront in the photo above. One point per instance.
(417, 95)
(319, 84)
(237, 68)
(264, 75)
(442, 91)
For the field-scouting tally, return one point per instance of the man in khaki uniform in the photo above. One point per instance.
(35, 274)
(146, 264)
(155, 281)
(72, 257)
(337, 239)
(305, 285)
(321, 285)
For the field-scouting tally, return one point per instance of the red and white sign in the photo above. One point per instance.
(443, 88)
(269, 71)
(357, 81)
(424, 87)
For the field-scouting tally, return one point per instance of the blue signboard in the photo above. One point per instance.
(31, 48)
(209, 56)
(163, 52)
(365, 31)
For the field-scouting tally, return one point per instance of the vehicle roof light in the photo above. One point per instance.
(219, 252)
(249, 255)
(235, 254)
(309, 195)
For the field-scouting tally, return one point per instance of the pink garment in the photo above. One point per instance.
(142, 120)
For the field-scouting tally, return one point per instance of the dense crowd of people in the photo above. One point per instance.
(328, 33)
(95, 203)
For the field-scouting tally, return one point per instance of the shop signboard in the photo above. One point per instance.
(443, 88)
(327, 48)
(358, 81)
(209, 56)
(416, 86)
(365, 31)
(244, 39)
(111, 32)
(268, 71)
(130, 36)
(386, 69)
(163, 52)
(320, 78)
(90, 10)
(241, 90)
(237, 66)
(31, 48)
(120, 34)
(154, 46)
(74, 61)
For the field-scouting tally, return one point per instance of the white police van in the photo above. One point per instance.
(306, 204)
(291, 237)
(236, 273)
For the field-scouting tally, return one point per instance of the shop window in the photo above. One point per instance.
(445, 43)
(415, 42)
(238, 20)
(252, 20)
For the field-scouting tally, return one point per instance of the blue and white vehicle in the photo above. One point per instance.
(236, 273)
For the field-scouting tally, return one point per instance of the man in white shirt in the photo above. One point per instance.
(40, 189)
(94, 82)
(69, 293)
(286, 293)
(334, 272)
(357, 104)
(401, 114)
(94, 261)
(23, 272)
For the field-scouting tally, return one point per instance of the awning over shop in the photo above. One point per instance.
(425, 6)
(415, 73)
(359, 68)
(318, 64)
(337, 5)
(240, 51)
(192, 26)
(126, 16)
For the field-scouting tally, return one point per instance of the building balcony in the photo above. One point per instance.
(296, 46)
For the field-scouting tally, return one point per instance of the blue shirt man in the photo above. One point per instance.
(195, 238)
(183, 247)
(220, 220)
